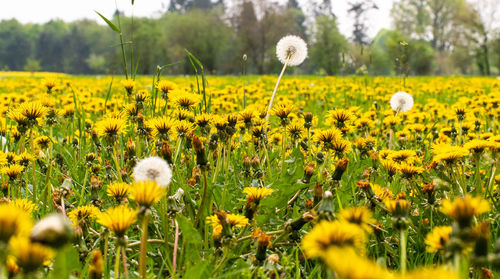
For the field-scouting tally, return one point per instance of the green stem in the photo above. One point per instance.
(204, 197)
(177, 150)
(115, 158)
(33, 173)
(117, 262)
(403, 251)
(143, 249)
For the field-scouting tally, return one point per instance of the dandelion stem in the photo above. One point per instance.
(403, 251)
(177, 150)
(33, 173)
(176, 241)
(117, 262)
(115, 158)
(276, 87)
(204, 197)
(143, 249)
(125, 267)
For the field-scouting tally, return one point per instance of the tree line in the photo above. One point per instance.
(428, 37)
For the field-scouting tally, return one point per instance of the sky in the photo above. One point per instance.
(41, 11)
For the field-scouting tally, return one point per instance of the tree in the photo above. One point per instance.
(187, 5)
(359, 9)
(432, 20)
(411, 17)
(329, 44)
(15, 46)
(259, 32)
(32, 65)
(50, 45)
(477, 20)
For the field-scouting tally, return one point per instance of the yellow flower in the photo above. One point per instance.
(165, 86)
(449, 154)
(398, 208)
(187, 100)
(478, 146)
(118, 190)
(42, 141)
(256, 194)
(328, 137)
(464, 208)
(408, 171)
(282, 111)
(327, 234)
(360, 216)
(30, 255)
(162, 126)
(13, 221)
(349, 265)
(128, 84)
(437, 238)
(118, 219)
(24, 159)
(82, 214)
(339, 117)
(146, 192)
(24, 204)
(233, 220)
(12, 171)
(390, 166)
(434, 273)
(32, 110)
(111, 127)
(183, 127)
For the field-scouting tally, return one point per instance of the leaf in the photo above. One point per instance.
(189, 234)
(65, 263)
(197, 271)
(108, 94)
(110, 24)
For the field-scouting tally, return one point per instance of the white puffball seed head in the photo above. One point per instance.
(294, 47)
(401, 101)
(154, 169)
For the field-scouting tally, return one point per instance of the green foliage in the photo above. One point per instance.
(329, 44)
(32, 65)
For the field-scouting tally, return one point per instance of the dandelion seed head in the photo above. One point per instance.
(401, 101)
(154, 169)
(293, 47)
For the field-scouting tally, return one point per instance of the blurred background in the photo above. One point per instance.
(414, 37)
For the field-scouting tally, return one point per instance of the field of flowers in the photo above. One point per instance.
(175, 177)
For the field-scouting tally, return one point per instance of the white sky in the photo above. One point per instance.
(41, 11)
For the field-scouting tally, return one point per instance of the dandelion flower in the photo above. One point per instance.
(465, 208)
(29, 255)
(25, 204)
(111, 127)
(360, 216)
(341, 261)
(326, 234)
(82, 214)
(293, 49)
(147, 192)
(233, 220)
(13, 221)
(118, 219)
(401, 102)
(256, 194)
(154, 169)
(437, 238)
(118, 190)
